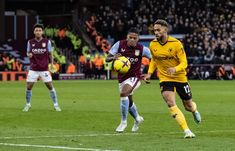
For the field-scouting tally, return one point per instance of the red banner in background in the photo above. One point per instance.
(13, 76)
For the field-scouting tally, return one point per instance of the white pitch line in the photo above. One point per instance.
(59, 136)
(111, 134)
(200, 132)
(54, 147)
(217, 131)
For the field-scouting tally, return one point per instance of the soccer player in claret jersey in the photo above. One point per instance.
(130, 81)
(39, 50)
(169, 57)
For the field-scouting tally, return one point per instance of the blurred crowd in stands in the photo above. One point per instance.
(9, 63)
(89, 62)
(207, 26)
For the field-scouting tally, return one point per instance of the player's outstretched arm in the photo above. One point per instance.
(113, 53)
(29, 54)
(146, 78)
(111, 57)
(51, 69)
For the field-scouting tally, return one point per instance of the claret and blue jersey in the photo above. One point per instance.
(40, 50)
(134, 54)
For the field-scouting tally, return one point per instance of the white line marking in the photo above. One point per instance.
(53, 147)
(59, 136)
(200, 132)
(111, 134)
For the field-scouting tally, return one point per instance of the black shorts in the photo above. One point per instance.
(183, 89)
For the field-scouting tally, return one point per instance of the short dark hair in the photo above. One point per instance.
(161, 22)
(38, 26)
(133, 30)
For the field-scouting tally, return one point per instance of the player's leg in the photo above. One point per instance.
(135, 83)
(132, 108)
(125, 90)
(31, 79)
(53, 95)
(183, 89)
(28, 94)
(131, 85)
(191, 106)
(134, 113)
(47, 79)
(168, 94)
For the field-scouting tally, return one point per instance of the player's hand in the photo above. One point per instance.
(30, 55)
(171, 71)
(51, 68)
(146, 78)
(116, 56)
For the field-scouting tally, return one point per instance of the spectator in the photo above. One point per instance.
(16, 65)
(71, 68)
(209, 29)
(99, 66)
(88, 69)
(221, 74)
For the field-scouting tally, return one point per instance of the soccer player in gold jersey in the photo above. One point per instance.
(169, 58)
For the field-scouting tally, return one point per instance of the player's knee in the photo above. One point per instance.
(124, 94)
(170, 103)
(29, 87)
(167, 95)
(49, 86)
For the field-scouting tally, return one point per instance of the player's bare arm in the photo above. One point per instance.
(111, 57)
(146, 78)
(30, 55)
(52, 61)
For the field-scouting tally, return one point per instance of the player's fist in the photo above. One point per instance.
(146, 78)
(116, 56)
(52, 68)
(171, 71)
(30, 55)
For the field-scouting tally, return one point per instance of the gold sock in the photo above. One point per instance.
(179, 117)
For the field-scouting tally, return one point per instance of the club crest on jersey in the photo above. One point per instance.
(122, 50)
(33, 45)
(137, 52)
(43, 44)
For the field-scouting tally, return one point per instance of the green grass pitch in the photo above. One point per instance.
(90, 114)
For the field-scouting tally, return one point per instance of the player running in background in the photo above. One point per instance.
(169, 57)
(130, 81)
(39, 51)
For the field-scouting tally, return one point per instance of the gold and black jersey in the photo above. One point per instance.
(164, 56)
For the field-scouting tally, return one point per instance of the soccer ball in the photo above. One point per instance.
(121, 65)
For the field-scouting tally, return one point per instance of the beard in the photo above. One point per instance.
(159, 38)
